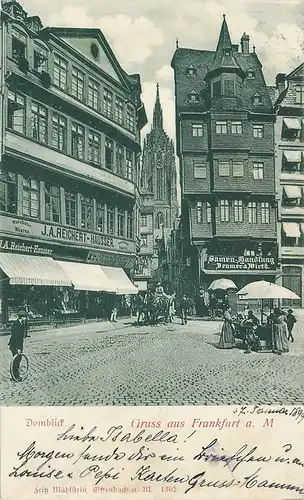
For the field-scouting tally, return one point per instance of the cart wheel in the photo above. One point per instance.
(23, 367)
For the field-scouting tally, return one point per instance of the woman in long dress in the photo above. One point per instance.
(227, 338)
(280, 332)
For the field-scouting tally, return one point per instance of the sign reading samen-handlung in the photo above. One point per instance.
(14, 226)
(241, 263)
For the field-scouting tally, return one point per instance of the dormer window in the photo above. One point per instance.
(251, 73)
(191, 70)
(40, 59)
(257, 99)
(18, 47)
(193, 96)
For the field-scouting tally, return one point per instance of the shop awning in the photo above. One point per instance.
(291, 229)
(292, 191)
(32, 270)
(89, 277)
(292, 123)
(293, 156)
(120, 281)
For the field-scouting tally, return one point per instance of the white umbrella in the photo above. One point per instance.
(265, 290)
(222, 284)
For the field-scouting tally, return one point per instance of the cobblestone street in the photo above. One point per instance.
(103, 364)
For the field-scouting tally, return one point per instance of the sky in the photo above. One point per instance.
(143, 34)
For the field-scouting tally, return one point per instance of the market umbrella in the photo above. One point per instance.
(265, 290)
(222, 284)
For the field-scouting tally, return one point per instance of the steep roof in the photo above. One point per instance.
(202, 60)
(224, 54)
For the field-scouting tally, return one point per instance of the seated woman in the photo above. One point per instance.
(251, 337)
(227, 338)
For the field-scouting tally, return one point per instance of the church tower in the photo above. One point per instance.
(159, 207)
(159, 170)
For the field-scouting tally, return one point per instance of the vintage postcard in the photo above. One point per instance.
(152, 249)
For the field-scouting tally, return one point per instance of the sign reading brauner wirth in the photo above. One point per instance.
(240, 263)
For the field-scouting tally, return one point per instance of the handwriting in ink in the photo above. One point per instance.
(99, 474)
(47, 456)
(233, 460)
(200, 480)
(297, 413)
(86, 454)
(116, 433)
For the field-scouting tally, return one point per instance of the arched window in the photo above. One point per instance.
(160, 220)
(251, 73)
(159, 183)
(159, 156)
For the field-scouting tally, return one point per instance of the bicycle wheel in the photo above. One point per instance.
(23, 362)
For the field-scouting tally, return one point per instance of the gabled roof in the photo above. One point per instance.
(70, 34)
(296, 73)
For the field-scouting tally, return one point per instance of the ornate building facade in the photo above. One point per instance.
(159, 206)
(225, 144)
(69, 166)
(288, 100)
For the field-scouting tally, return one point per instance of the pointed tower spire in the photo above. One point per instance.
(224, 41)
(158, 112)
(224, 57)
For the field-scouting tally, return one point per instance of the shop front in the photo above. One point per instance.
(240, 270)
(56, 281)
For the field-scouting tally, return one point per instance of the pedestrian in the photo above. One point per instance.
(280, 332)
(227, 338)
(290, 320)
(171, 307)
(246, 311)
(213, 305)
(16, 340)
(113, 317)
(184, 305)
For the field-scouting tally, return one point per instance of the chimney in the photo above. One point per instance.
(280, 82)
(245, 44)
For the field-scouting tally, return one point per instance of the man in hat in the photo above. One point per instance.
(16, 339)
(290, 320)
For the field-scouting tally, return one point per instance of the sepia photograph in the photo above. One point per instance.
(151, 203)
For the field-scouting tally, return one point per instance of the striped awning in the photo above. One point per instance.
(292, 191)
(89, 277)
(293, 156)
(32, 270)
(120, 281)
(291, 229)
(292, 123)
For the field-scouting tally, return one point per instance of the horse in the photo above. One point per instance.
(159, 306)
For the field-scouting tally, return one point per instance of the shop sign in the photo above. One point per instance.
(111, 259)
(21, 247)
(241, 263)
(62, 234)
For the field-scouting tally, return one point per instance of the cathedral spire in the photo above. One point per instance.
(158, 112)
